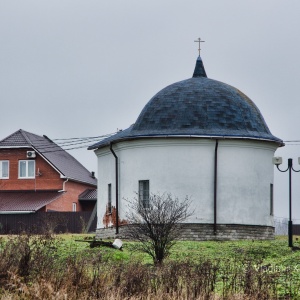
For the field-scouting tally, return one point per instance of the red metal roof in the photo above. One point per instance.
(26, 200)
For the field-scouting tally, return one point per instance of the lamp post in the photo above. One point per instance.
(278, 161)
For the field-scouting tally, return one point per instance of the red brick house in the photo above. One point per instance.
(38, 175)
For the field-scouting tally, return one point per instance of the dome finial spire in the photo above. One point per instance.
(199, 41)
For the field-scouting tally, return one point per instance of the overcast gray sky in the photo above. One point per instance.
(77, 68)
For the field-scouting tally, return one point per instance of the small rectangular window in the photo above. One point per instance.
(4, 169)
(26, 169)
(74, 207)
(271, 200)
(109, 208)
(144, 194)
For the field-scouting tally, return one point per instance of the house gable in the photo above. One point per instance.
(48, 180)
(61, 160)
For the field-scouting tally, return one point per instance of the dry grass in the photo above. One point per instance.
(32, 267)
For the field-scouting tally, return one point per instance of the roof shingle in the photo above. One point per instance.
(89, 194)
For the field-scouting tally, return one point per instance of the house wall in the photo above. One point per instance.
(70, 196)
(185, 167)
(49, 178)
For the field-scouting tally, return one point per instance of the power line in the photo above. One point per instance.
(84, 138)
(292, 142)
(81, 142)
(71, 142)
(63, 144)
(61, 149)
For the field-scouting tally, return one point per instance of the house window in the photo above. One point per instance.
(271, 200)
(144, 193)
(109, 210)
(74, 207)
(26, 168)
(4, 169)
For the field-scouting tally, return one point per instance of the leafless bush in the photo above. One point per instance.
(28, 255)
(157, 226)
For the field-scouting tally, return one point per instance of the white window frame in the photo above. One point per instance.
(26, 175)
(1, 169)
(74, 206)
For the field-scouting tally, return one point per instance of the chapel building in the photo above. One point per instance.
(199, 138)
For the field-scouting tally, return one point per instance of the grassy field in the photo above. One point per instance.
(59, 267)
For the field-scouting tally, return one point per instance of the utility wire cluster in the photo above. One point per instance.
(56, 145)
(84, 142)
(292, 143)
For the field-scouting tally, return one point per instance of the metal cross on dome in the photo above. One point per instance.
(199, 41)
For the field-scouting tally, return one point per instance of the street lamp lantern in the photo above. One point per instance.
(277, 161)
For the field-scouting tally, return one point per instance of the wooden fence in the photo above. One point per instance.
(296, 229)
(40, 222)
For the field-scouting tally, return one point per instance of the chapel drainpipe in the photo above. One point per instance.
(215, 186)
(117, 188)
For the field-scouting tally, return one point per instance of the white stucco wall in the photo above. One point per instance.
(245, 172)
(185, 167)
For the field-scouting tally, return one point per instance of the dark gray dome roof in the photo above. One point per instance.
(199, 106)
